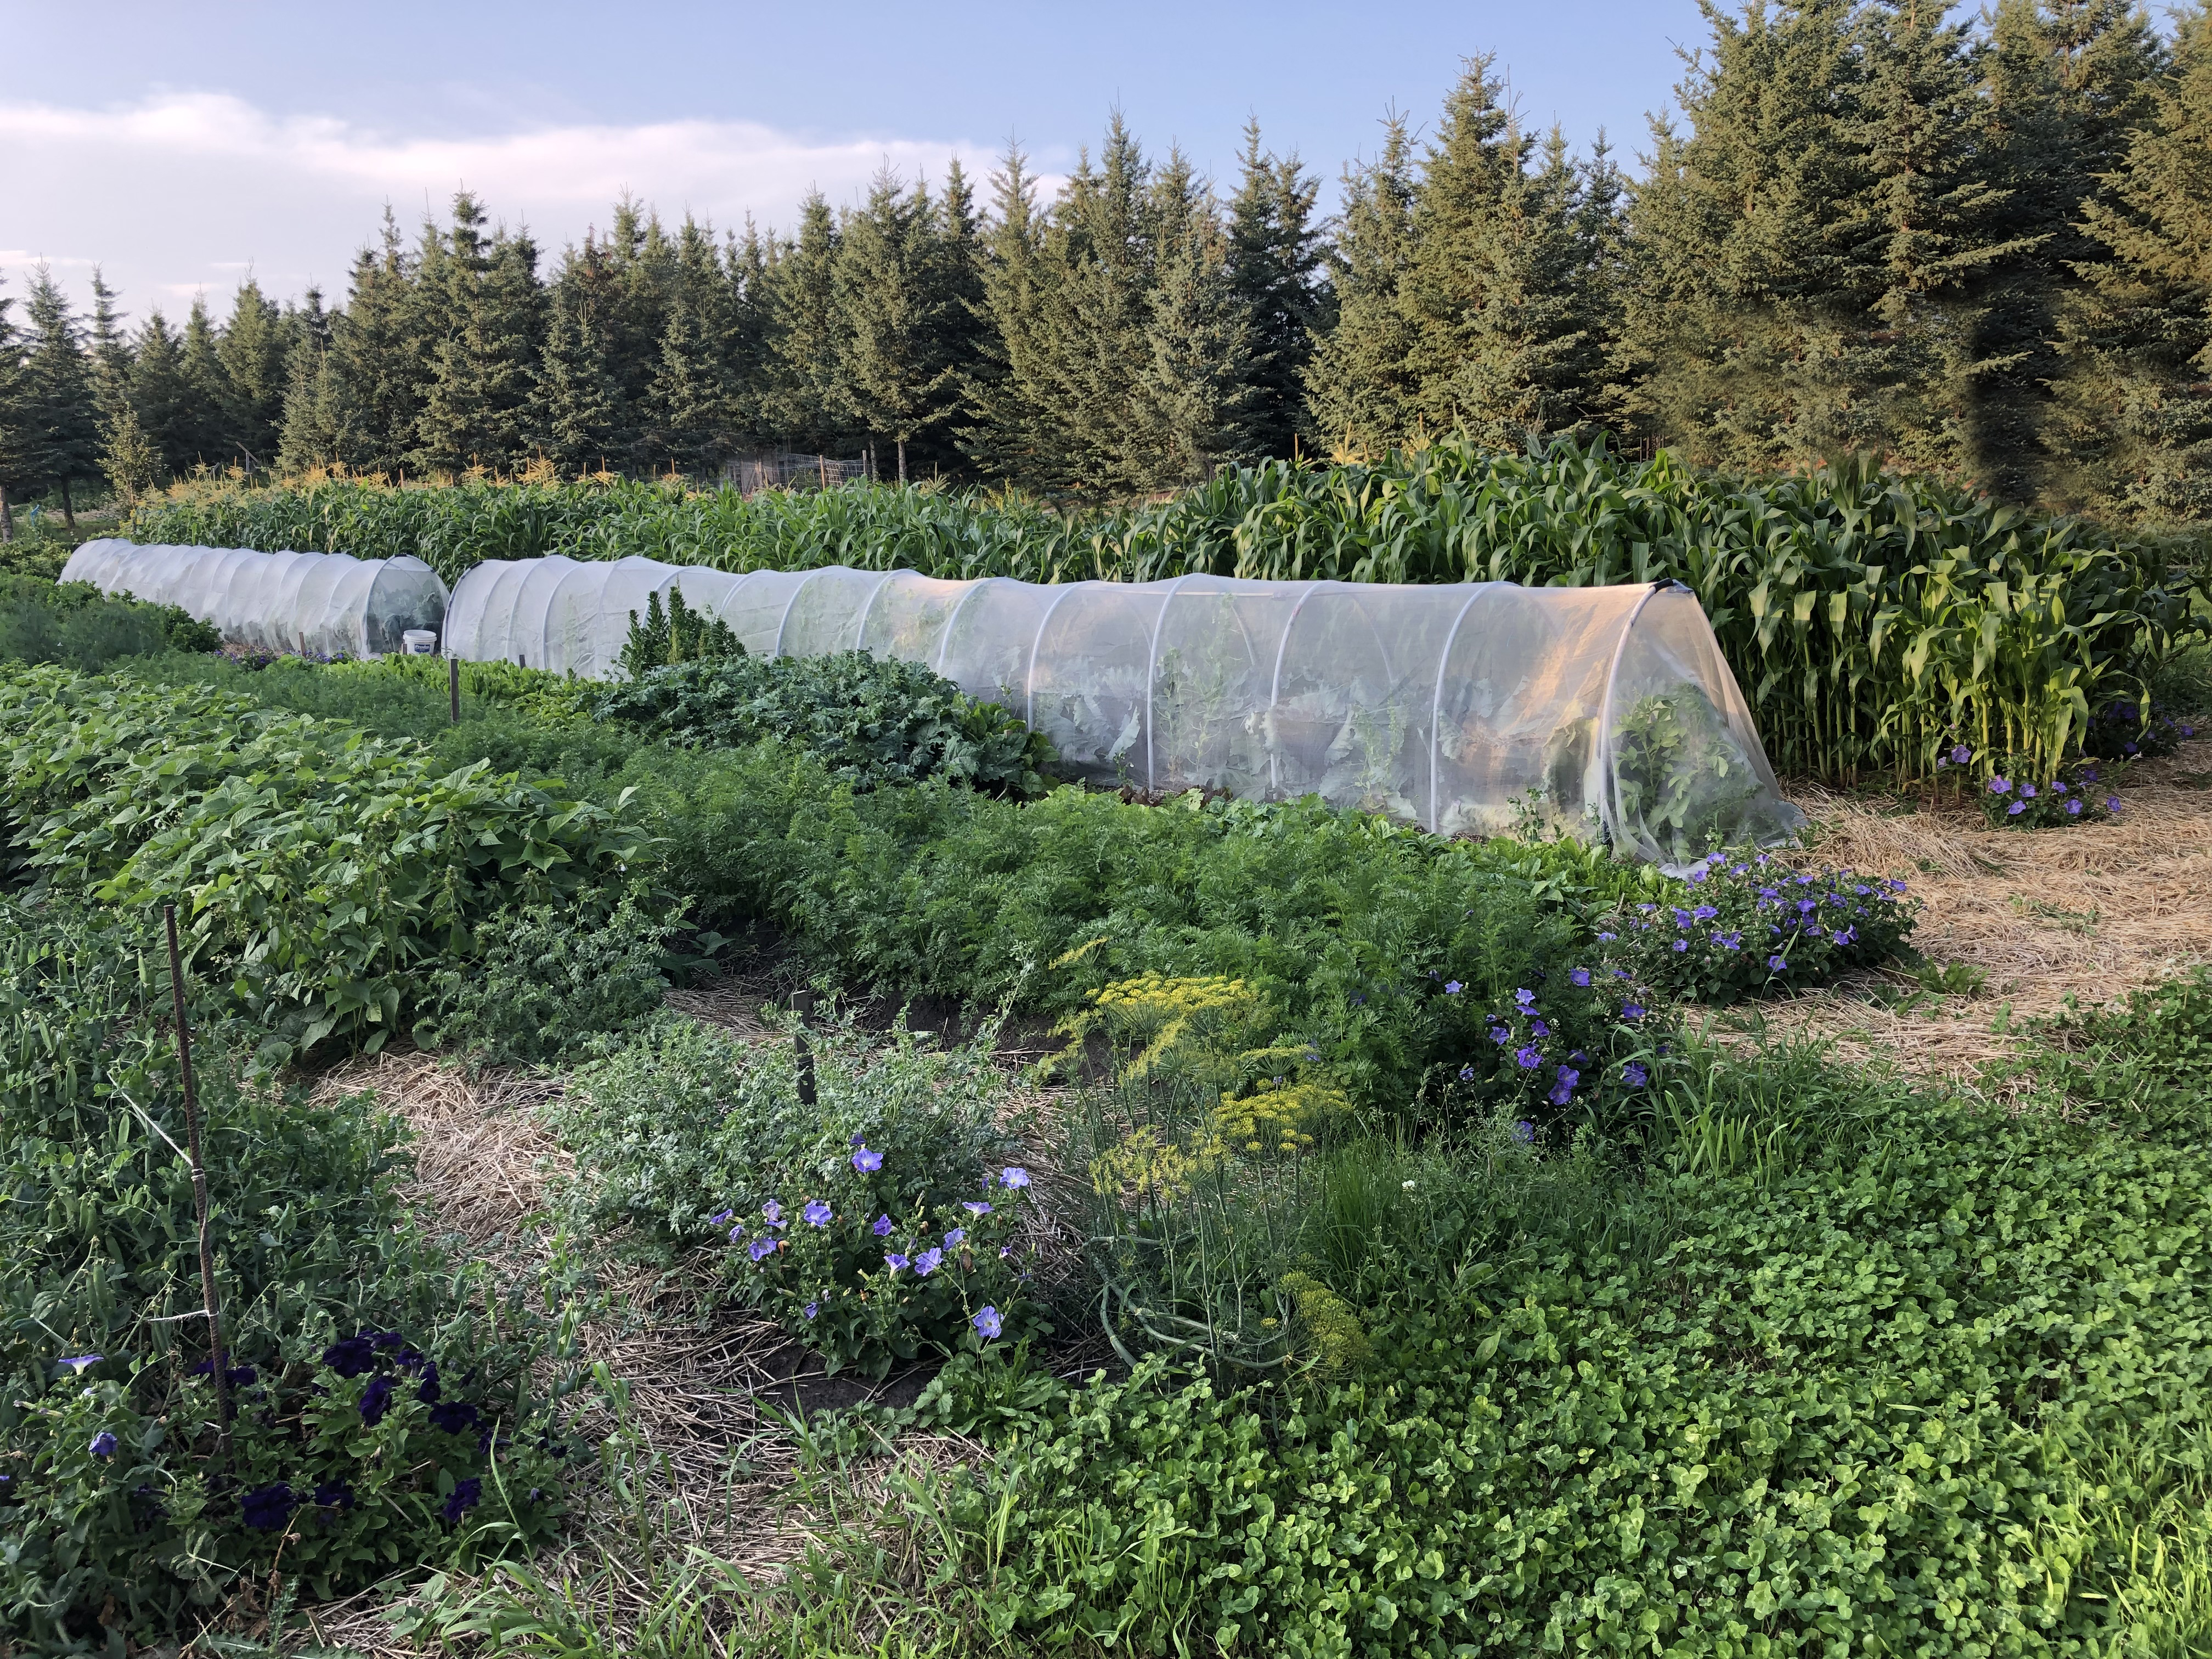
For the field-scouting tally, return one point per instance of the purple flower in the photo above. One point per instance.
(351, 1357)
(2058, 787)
(1563, 1087)
(867, 1163)
(857, 1141)
(103, 1444)
(83, 1360)
(2000, 786)
(773, 1212)
(883, 1227)
(894, 1261)
(721, 1218)
(928, 1261)
(1524, 1132)
(1607, 938)
(1539, 1029)
(2111, 803)
(1529, 1057)
(953, 1237)
(1681, 944)
(1500, 1036)
(2028, 792)
(334, 1495)
(974, 1206)
(1015, 1176)
(375, 1400)
(988, 1323)
(761, 1246)
(266, 1508)
(735, 1233)
(454, 1417)
(2016, 809)
(1703, 913)
(1634, 1075)
(816, 1213)
(2073, 809)
(1525, 997)
(1806, 907)
(1466, 1074)
(1580, 976)
(1961, 754)
(1777, 964)
(1453, 987)
(1632, 1010)
(466, 1495)
(812, 1309)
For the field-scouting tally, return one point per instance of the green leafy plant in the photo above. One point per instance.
(869, 720)
(549, 982)
(662, 639)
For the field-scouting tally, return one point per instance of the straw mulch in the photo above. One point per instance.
(2083, 913)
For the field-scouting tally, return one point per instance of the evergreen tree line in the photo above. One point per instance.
(1981, 250)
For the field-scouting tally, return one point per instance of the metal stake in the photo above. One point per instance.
(802, 1004)
(453, 686)
(199, 1192)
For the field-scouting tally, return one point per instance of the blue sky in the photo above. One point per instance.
(184, 147)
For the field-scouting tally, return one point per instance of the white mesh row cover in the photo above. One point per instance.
(1462, 708)
(329, 604)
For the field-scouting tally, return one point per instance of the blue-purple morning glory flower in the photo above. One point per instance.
(1539, 1028)
(1581, 976)
(883, 1227)
(772, 1212)
(867, 1163)
(83, 1360)
(1014, 1175)
(1524, 1132)
(953, 1237)
(1500, 1036)
(816, 1213)
(1529, 1058)
(1563, 1087)
(2111, 803)
(894, 1261)
(812, 1309)
(721, 1218)
(1525, 997)
(928, 1261)
(1634, 1075)
(1776, 964)
(974, 1206)
(103, 1444)
(2073, 809)
(1453, 987)
(2000, 786)
(1466, 1074)
(1632, 1010)
(988, 1323)
(761, 1246)
(2016, 809)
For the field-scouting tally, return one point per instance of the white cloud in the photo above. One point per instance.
(188, 189)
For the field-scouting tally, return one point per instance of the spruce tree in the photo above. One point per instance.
(1198, 382)
(1360, 385)
(1505, 343)
(807, 401)
(1096, 308)
(481, 409)
(111, 350)
(1756, 263)
(894, 300)
(379, 363)
(14, 427)
(586, 421)
(207, 381)
(746, 265)
(691, 402)
(254, 347)
(1275, 266)
(61, 426)
(2064, 83)
(317, 429)
(2136, 403)
(161, 395)
(958, 257)
(1002, 388)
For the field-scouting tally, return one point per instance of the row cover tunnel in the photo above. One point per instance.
(1468, 708)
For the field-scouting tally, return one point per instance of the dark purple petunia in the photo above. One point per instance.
(265, 1509)
(334, 1495)
(352, 1357)
(431, 1389)
(375, 1400)
(465, 1497)
(454, 1416)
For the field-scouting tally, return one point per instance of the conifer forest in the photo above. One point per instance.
(1973, 248)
